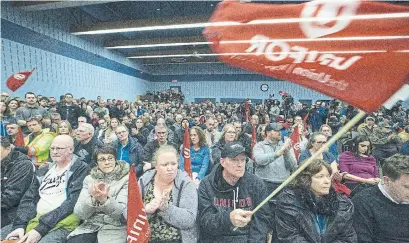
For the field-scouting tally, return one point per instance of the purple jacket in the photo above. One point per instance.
(364, 167)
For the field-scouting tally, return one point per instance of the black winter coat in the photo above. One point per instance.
(17, 173)
(27, 209)
(217, 199)
(296, 222)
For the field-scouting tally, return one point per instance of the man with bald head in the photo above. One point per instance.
(46, 210)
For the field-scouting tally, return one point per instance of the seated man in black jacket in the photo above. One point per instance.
(17, 173)
(227, 197)
(382, 212)
(46, 210)
(150, 148)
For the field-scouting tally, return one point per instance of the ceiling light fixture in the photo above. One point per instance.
(251, 53)
(232, 23)
(352, 38)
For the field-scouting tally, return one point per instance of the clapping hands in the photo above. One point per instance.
(99, 191)
(160, 202)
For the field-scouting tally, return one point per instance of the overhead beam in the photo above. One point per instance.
(180, 60)
(138, 25)
(156, 42)
(47, 5)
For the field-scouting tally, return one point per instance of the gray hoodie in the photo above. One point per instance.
(182, 213)
(270, 167)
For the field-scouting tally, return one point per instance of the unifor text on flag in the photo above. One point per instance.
(355, 51)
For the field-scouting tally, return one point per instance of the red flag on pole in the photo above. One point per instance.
(295, 138)
(186, 153)
(138, 230)
(19, 138)
(350, 50)
(247, 109)
(15, 81)
(253, 139)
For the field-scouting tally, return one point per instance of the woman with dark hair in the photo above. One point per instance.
(360, 166)
(12, 106)
(5, 118)
(140, 132)
(102, 203)
(199, 154)
(309, 210)
(170, 199)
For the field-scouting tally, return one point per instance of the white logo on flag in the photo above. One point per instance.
(19, 76)
(325, 11)
(186, 152)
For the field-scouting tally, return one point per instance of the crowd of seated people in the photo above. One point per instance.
(65, 165)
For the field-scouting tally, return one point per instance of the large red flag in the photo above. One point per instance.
(186, 153)
(19, 138)
(15, 81)
(295, 138)
(138, 230)
(354, 51)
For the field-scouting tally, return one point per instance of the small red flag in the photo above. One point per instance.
(247, 108)
(19, 138)
(186, 153)
(253, 139)
(15, 81)
(295, 138)
(350, 50)
(138, 230)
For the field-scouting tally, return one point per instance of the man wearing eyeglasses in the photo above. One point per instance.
(161, 133)
(46, 210)
(129, 149)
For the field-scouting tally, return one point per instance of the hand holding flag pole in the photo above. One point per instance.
(307, 162)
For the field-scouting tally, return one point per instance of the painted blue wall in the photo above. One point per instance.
(63, 62)
(239, 89)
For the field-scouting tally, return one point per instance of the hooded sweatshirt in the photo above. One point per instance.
(217, 199)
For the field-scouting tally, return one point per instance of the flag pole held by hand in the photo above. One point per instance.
(307, 162)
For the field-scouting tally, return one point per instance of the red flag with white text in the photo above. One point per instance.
(186, 153)
(138, 230)
(295, 138)
(355, 51)
(15, 81)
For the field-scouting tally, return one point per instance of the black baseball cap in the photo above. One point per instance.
(273, 127)
(232, 149)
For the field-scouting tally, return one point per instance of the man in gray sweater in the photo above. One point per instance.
(274, 160)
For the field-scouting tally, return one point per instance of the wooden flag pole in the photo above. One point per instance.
(307, 162)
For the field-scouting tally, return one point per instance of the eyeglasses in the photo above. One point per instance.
(103, 160)
(363, 145)
(320, 142)
(59, 149)
(326, 130)
(121, 132)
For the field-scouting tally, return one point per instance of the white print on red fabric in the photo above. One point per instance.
(19, 76)
(325, 11)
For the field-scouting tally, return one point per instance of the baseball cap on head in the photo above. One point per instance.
(232, 149)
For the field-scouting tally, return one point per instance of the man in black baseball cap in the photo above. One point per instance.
(220, 213)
